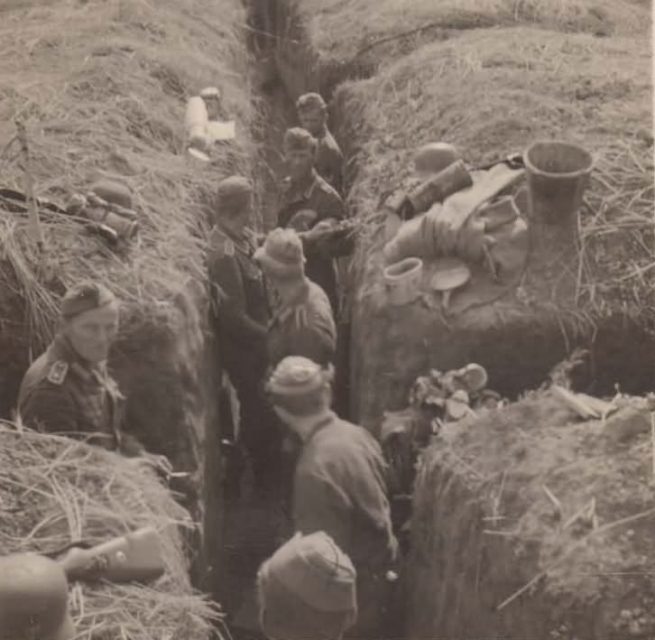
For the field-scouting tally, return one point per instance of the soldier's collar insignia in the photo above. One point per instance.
(57, 372)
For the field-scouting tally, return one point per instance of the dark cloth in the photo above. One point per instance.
(240, 305)
(329, 161)
(320, 197)
(304, 328)
(340, 487)
(241, 315)
(62, 393)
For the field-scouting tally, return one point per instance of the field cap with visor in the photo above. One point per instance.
(85, 296)
(311, 102)
(33, 599)
(298, 376)
(233, 194)
(307, 589)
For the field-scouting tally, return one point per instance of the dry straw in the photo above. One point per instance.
(102, 88)
(54, 490)
(492, 92)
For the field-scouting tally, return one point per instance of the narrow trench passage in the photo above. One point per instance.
(253, 527)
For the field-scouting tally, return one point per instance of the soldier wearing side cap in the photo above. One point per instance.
(310, 206)
(312, 114)
(68, 389)
(241, 317)
(307, 589)
(340, 483)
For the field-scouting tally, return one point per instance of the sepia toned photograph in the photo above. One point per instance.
(327, 320)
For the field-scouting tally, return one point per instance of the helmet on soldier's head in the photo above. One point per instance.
(435, 157)
(33, 599)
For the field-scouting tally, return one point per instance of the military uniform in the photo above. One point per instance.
(61, 393)
(303, 328)
(340, 487)
(329, 161)
(241, 317)
(320, 197)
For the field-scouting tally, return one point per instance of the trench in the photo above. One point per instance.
(621, 353)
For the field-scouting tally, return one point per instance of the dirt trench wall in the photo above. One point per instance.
(484, 528)
(102, 88)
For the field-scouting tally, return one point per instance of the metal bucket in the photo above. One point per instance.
(557, 174)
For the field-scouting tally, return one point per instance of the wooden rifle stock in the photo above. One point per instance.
(135, 557)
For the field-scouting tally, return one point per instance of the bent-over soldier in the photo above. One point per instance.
(312, 114)
(68, 389)
(340, 484)
(310, 206)
(302, 323)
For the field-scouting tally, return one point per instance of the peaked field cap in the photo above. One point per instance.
(316, 571)
(298, 139)
(297, 376)
(282, 254)
(33, 598)
(234, 192)
(85, 296)
(310, 101)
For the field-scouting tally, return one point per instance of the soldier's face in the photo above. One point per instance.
(92, 333)
(313, 120)
(299, 162)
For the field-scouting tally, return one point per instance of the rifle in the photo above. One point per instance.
(135, 557)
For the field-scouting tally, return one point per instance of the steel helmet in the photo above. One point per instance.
(434, 157)
(33, 599)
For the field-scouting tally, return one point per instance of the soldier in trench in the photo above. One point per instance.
(68, 389)
(340, 486)
(302, 323)
(241, 317)
(312, 207)
(312, 114)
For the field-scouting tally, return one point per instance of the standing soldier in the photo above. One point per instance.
(310, 206)
(312, 114)
(340, 484)
(241, 315)
(68, 389)
(303, 323)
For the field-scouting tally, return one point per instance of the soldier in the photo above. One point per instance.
(303, 323)
(307, 590)
(68, 388)
(310, 206)
(241, 316)
(312, 114)
(340, 484)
